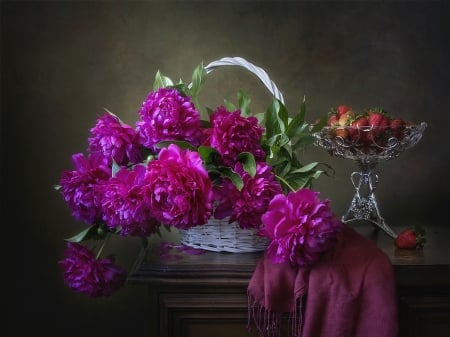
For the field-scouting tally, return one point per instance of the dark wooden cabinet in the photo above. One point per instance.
(205, 295)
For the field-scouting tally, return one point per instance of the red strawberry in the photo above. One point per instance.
(342, 109)
(356, 132)
(332, 120)
(345, 118)
(398, 126)
(410, 238)
(379, 122)
(341, 132)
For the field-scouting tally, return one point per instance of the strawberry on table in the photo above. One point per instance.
(410, 238)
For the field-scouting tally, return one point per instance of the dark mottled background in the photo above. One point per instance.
(63, 61)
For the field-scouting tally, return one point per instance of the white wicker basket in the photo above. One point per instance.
(219, 235)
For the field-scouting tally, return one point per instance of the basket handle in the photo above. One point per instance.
(259, 72)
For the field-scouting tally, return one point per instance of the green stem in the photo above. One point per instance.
(105, 240)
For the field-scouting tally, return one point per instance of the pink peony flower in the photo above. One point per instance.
(79, 187)
(178, 188)
(86, 274)
(247, 206)
(300, 227)
(167, 115)
(123, 203)
(232, 134)
(115, 140)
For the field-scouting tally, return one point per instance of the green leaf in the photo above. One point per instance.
(227, 172)
(301, 182)
(302, 111)
(208, 154)
(114, 115)
(275, 161)
(319, 124)
(302, 179)
(282, 117)
(229, 106)
(272, 140)
(244, 103)
(94, 232)
(205, 124)
(198, 79)
(304, 141)
(279, 140)
(272, 126)
(306, 168)
(272, 159)
(248, 162)
(260, 117)
(299, 131)
(182, 89)
(209, 111)
(298, 122)
(282, 140)
(285, 169)
(114, 168)
(180, 143)
(161, 81)
(328, 169)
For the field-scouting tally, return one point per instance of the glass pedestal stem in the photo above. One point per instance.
(364, 204)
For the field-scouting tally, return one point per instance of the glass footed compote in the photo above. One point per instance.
(367, 146)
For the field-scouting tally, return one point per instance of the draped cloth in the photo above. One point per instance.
(349, 292)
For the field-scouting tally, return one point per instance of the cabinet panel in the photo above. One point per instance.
(424, 316)
(218, 329)
(204, 315)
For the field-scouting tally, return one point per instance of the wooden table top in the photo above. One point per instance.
(427, 266)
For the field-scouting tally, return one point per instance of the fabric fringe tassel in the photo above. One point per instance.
(270, 323)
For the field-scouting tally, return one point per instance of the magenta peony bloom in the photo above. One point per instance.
(232, 134)
(85, 274)
(247, 206)
(79, 187)
(167, 115)
(300, 227)
(115, 140)
(123, 203)
(178, 188)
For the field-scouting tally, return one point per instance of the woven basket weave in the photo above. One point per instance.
(219, 235)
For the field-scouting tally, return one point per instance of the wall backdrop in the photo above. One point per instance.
(62, 62)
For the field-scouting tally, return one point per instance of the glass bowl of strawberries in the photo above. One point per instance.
(367, 138)
(370, 136)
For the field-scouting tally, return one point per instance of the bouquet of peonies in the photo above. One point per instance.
(177, 169)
